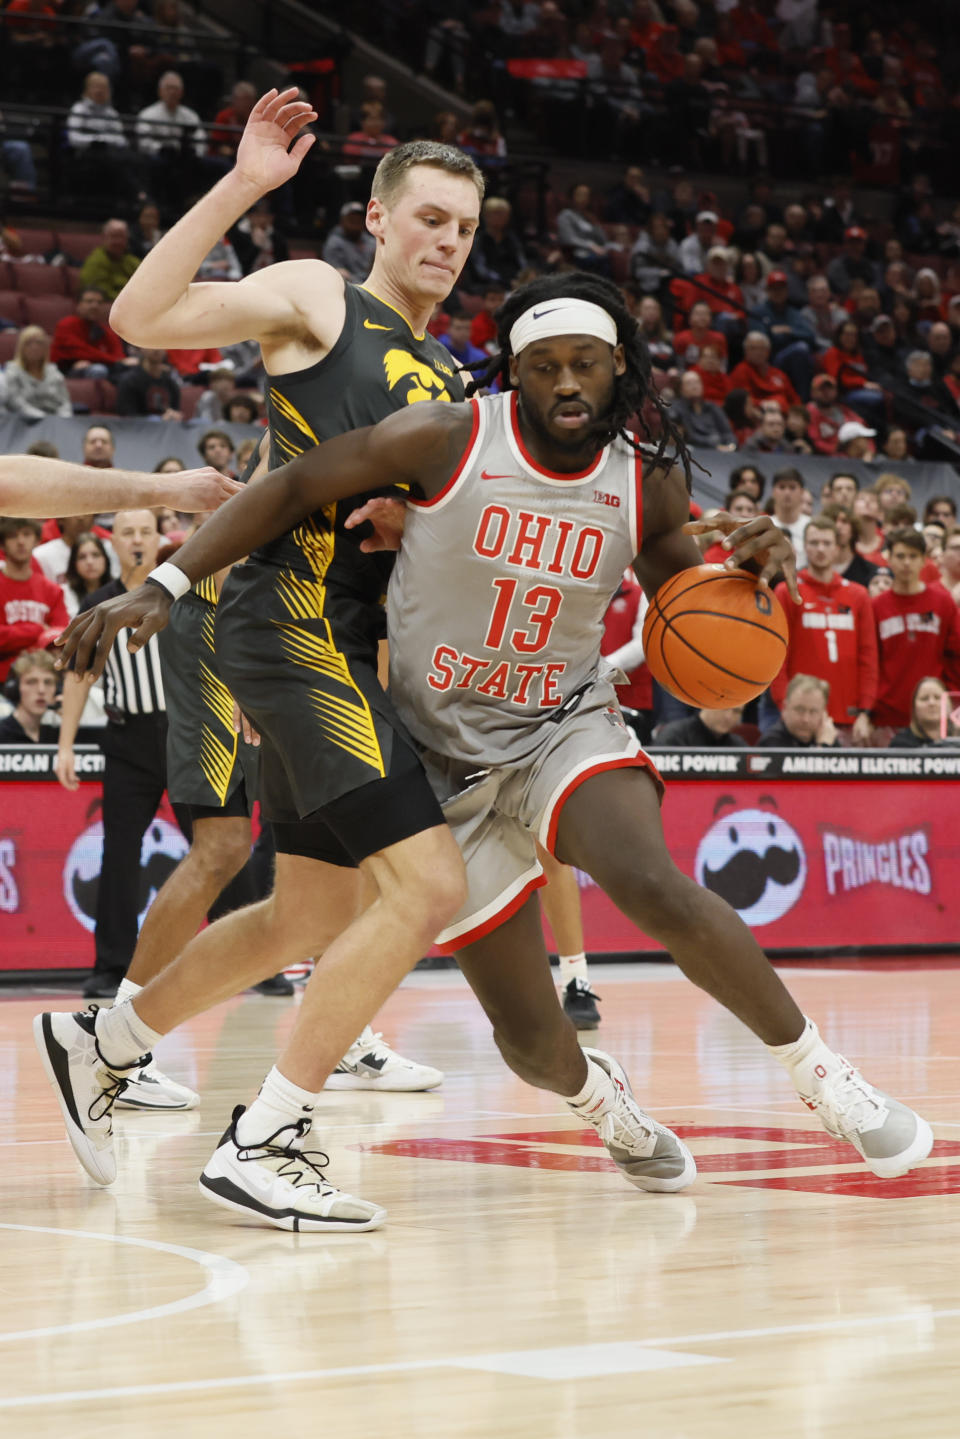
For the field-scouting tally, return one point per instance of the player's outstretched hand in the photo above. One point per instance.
(88, 639)
(265, 158)
(192, 491)
(388, 518)
(756, 545)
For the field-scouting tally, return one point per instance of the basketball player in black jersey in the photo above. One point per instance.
(298, 625)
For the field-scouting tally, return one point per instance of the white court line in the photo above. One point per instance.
(226, 1279)
(245, 1381)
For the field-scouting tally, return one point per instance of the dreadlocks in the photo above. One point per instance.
(632, 390)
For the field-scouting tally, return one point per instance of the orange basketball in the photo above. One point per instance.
(713, 637)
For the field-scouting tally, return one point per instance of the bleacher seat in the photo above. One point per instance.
(41, 279)
(77, 244)
(189, 398)
(8, 344)
(85, 393)
(11, 306)
(7, 275)
(46, 310)
(107, 402)
(71, 275)
(37, 242)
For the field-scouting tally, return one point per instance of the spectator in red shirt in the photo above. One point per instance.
(243, 97)
(831, 635)
(918, 627)
(826, 415)
(722, 293)
(710, 368)
(751, 26)
(32, 608)
(758, 377)
(845, 362)
(483, 328)
(371, 141)
(689, 343)
(84, 346)
(664, 58)
(622, 645)
(866, 509)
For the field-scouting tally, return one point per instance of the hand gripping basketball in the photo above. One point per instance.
(758, 546)
(714, 637)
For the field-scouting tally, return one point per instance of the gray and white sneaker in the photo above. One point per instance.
(648, 1154)
(150, 1088)
(279, 1183)
(86, 1086)
(889, 1136)
(370, 1063)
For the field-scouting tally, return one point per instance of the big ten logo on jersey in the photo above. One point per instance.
(416, 379)
(522, 615)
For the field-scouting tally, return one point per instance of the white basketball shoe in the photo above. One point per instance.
(150, 1088)
(279, 1183)
(86, 1086)
(889, 1136)
(648, 1154)
(370, 1063)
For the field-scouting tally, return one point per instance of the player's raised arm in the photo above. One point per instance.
(33, 487)
(419, 446)
(161, 307)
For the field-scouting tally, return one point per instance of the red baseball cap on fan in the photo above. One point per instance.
(777, 277)
(854, 232)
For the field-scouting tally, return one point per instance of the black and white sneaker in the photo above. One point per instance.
(279, 1183)
(370, 1063)
(86, 1086)
(149, 1088)
(580, 1004)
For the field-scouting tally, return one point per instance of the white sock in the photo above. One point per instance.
(279, 1105)
(122, 1035)
(807, 1059)
(597, 1088)
(572, 966)
(126, 990)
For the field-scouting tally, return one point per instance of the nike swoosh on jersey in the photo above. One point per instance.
(369, 325)
(485, 476)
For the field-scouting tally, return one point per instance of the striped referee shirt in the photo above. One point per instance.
(132, 684)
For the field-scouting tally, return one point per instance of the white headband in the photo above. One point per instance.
(562, 316)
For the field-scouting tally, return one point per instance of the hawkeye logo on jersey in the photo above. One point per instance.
(420, 382)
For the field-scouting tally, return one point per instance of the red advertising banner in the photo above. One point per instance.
(809, 863)
(847, 862)
(51, 841)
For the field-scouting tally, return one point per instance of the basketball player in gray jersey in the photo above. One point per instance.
(527, 503)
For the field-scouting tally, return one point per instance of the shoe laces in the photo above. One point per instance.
(620, 1121)
(301, 1168)
(101, 1106)
(582, 987)
(373, 1043)
(846, 1102)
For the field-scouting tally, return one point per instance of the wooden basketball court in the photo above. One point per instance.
(520, 1289)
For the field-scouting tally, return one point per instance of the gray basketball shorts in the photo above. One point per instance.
(497, 814)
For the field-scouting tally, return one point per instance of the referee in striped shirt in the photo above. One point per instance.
(134, 747)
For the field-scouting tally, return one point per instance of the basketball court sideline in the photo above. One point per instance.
(520, 1287)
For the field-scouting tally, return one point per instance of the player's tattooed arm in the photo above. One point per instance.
(418, 449)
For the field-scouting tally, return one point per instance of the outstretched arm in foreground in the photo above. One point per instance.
(416, 448)
(32, 487)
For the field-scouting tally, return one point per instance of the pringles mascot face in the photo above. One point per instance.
(754, 860)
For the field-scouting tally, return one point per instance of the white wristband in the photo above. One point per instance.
(171, 579)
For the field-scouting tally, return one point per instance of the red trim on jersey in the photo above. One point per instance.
(474, 428)
(549, 474)
(636, 761)
(501, 917)
(638, 502)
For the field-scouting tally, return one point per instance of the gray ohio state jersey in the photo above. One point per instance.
(496, 604)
